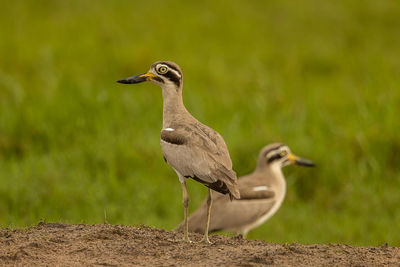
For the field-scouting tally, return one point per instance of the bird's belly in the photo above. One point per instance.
(176, 156)
(173, 154)
(262, 219)
(245, 212)
(185, 161)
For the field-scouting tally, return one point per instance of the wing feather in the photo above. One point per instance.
(199, 152)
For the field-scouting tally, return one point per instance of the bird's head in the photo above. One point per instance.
(280, 154)
(166, 74)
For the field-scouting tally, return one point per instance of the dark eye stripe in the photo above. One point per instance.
(272, 149)
(173, 78)
(273, 158)
(158, 79)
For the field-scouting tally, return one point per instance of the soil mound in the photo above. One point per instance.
(57, 244)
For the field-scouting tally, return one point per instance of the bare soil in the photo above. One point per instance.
(57, 244)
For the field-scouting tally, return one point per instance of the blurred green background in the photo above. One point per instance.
(321, 76)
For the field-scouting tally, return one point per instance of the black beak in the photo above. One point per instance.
(135, 79)
(304, 162)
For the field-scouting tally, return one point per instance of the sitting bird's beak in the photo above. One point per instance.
(300, 161)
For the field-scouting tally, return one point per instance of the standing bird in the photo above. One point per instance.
(191, 148)
(261, 194)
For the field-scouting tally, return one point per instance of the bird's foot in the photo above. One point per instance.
(187, 240)
(205, 240)
(240, 236)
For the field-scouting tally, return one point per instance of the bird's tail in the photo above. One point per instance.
(231, 183)
(233, 191)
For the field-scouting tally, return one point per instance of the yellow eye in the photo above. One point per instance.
(283, 153)
(162, 70)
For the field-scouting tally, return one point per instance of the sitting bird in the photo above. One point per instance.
(261, 194)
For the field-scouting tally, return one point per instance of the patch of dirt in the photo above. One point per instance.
(57, 244)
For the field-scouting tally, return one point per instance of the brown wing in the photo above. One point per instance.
(219, 150)
(196, 151)
(252, 194)
(254, 186)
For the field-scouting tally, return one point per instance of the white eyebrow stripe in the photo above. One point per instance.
(174, 71)
(260, 188)
(169, 129)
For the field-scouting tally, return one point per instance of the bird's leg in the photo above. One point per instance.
(209, 204)
(185, 201)
(241, 235)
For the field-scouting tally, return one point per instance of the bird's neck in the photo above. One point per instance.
(173, 107)
(278, 182)
(273, 177)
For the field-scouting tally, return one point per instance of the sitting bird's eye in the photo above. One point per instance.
(283, 153)
(162, 70)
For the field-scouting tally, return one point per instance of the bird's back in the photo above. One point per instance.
(199, 152)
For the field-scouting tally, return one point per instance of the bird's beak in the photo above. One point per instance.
(300, 161)
(138, 79)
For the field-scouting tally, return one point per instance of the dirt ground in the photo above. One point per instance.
(57, 244)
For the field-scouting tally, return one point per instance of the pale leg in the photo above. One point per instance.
(185, 201)
(209, 204)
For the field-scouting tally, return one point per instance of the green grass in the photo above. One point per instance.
(320, 76)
